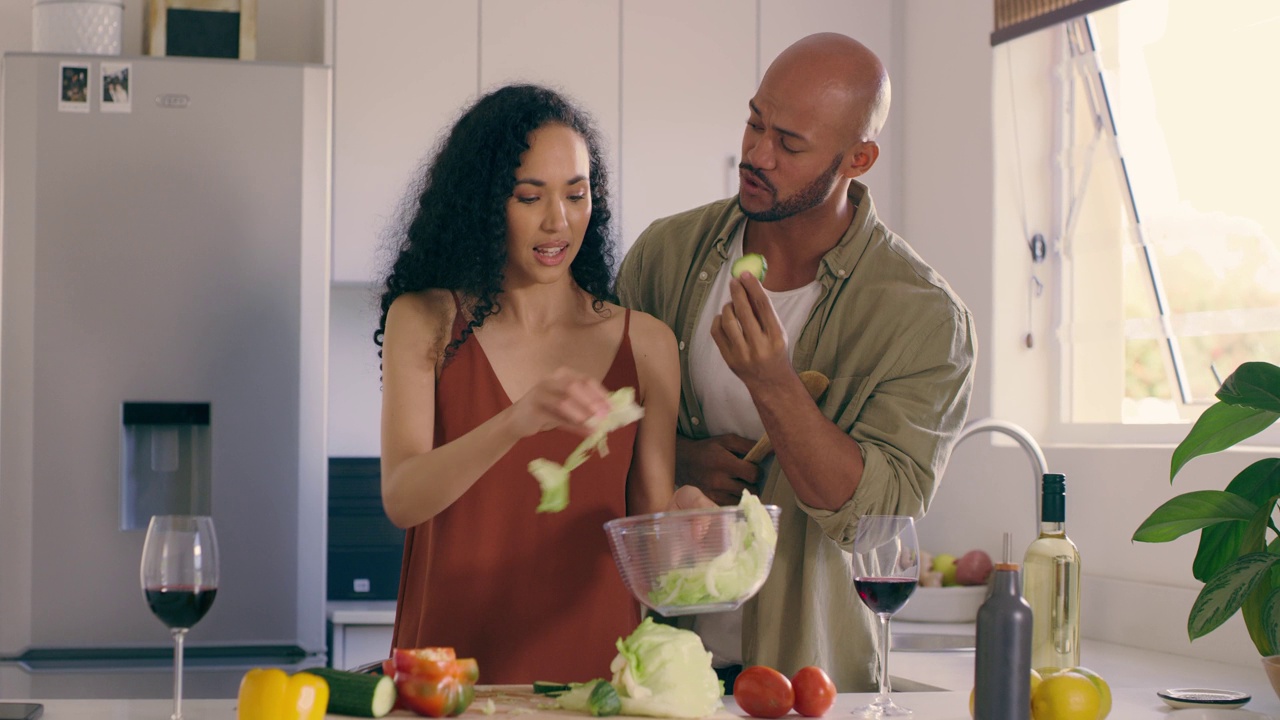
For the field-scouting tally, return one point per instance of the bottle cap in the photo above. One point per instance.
(1055, 482)
(1007, 566)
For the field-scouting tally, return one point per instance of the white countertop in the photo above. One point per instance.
(1127, 704)
(1135, 672)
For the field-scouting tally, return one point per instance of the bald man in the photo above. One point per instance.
(843, 295)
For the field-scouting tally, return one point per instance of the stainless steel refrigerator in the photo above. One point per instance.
(163, 350)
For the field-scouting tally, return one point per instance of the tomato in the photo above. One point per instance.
(815, 693)
(427, 662)
(433, 698)
(763, 692)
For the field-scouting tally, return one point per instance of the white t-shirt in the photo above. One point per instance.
(727, 408)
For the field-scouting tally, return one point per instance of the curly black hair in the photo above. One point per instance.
(456, 238)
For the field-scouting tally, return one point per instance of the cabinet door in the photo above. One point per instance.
(870, 22)
(568, 45)
(402, 71)
(688, 70)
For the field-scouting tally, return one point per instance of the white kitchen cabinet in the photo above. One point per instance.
(361, 632)
(568, 45)
(688, 70)
(402, 71)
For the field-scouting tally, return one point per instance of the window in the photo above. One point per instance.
(1154, 313)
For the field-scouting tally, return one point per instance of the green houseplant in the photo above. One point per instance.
(1239, 566)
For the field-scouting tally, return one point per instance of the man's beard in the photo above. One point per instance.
(807, 197)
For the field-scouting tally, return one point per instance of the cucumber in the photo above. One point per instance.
(358, 694)
(542, 687)
(753, 263)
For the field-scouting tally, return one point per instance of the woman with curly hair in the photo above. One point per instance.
(500, 344)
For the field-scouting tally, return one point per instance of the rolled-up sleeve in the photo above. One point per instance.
(906, 424)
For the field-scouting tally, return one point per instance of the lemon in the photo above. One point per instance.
(1104, 690)
(1035, 683)
(1066, 695)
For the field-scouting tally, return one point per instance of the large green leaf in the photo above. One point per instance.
(1253, 384)
(1191, 511)
(1220, 543)
(1261, 611)
(1223, 595)
(1218, 428)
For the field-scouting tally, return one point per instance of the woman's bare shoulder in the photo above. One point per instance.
(648, 329)
(422, 318)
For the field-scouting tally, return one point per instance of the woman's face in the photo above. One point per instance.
(549, 207)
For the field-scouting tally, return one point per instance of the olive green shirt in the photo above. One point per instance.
(899, 348)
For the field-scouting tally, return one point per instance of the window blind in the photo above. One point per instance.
(1015, 18)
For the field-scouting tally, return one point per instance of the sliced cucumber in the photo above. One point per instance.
(542, 687)
(753, 263)
(358, 694)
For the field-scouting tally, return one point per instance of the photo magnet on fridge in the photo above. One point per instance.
(116, 87)
(73, 87)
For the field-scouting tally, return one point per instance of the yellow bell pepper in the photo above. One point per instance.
(271, 694)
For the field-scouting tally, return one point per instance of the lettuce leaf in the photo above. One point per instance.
(554, 478)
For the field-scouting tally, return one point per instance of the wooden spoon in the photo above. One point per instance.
(816, 383)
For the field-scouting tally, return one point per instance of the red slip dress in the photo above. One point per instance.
(531, 596)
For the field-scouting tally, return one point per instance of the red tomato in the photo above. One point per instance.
(430, 662)
(433, 698)
(763, 692)
(815, 693)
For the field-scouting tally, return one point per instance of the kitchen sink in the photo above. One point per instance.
(931, 642)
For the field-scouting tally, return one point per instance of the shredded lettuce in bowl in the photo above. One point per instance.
(730, 575)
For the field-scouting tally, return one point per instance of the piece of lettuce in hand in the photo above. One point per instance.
(729, 575)
(663, 671)
(554, 478)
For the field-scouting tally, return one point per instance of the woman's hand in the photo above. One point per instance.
(565, 399)
(689, 497)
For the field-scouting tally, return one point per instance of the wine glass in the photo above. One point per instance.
(886, 568)
(179, 579)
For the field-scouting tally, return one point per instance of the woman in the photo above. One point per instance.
(500, 345)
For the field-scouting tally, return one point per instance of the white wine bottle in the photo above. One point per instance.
(1051, 583)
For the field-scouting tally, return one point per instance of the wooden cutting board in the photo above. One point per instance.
(520, 701)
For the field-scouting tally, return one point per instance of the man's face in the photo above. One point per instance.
(755, 183)
(793, 149)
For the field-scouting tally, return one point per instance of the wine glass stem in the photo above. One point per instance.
(884, 658)
(179, 634)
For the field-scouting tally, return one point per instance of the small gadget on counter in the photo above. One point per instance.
(1179, 698)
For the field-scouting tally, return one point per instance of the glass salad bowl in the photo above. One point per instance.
(696, 561)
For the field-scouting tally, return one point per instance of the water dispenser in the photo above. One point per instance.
(165, 461)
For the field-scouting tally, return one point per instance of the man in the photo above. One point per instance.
(842, 295)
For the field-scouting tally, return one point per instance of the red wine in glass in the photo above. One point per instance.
(884, 594)
(179, 577)
(180, 606)
(886, 569)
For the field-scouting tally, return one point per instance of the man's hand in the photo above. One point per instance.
(715, 466)
(750, 336)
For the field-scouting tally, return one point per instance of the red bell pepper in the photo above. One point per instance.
(432, 681)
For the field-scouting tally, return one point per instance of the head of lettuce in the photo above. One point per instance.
(660, 671)
(664, 671)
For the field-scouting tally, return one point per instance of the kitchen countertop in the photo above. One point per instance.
(1133, 674)
(1127, 704)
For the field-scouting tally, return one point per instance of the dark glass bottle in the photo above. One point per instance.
(1002, 664)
